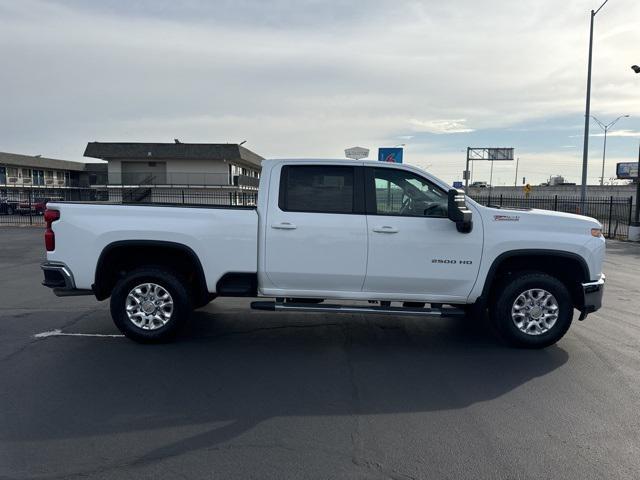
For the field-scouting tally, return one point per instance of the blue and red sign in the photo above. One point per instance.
(390, 154)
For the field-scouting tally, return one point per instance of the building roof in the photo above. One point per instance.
(15, 159)
(172, 151)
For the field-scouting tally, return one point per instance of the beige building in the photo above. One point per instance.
(206, 165)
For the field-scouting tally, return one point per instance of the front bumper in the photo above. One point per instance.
(59, 277)
(592, 296)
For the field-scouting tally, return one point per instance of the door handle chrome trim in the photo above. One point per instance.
(284, 226)
(385, 229)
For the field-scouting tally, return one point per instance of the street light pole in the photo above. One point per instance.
(637, 216)
(634, 228)
(604, 155)
(604, 148)
(585, 148)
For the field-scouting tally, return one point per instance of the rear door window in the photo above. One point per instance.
(318, 188)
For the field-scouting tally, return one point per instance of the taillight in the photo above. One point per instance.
(50, 216)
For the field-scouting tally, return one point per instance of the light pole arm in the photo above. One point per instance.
(600, 8)
(600, 124)
(614, 122)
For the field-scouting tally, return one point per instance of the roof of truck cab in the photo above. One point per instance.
(349, 161)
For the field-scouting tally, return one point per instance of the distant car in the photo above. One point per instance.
(37, 206)
(7, 207)
(479, 185)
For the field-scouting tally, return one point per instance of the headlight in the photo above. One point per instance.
(596, 232)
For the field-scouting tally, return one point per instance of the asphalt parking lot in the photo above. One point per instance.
(245, 394)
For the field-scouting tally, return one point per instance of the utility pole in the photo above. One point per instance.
(515, 181)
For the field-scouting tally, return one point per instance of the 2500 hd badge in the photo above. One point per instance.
(451, 262)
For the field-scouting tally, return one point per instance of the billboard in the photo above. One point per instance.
(627, 170)
(493, 154)
(390, 154)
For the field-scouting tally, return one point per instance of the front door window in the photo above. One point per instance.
(402, 193)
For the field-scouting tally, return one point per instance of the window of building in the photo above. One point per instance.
(12, 172)
(3, 176)
(26, 173)
(38, 177)
(313, 188)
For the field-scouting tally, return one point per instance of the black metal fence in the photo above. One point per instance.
(613, 212)
(26, 206)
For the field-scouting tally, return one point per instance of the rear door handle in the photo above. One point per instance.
(385, 229)
(284, 226)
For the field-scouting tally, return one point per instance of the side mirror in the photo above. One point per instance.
(458, 211)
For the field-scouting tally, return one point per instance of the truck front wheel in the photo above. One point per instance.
(150, 304)
(532, 310)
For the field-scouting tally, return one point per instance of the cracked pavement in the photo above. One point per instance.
(245, 394)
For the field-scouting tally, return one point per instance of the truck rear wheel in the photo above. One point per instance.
(532, 310)
(150, 304)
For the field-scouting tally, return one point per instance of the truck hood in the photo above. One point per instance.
(541, 218)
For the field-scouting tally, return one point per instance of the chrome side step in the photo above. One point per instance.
(319, 308)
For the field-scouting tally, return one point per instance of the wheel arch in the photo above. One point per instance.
(123, 256)
(568, 267)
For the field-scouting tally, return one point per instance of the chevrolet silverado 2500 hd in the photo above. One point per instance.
(379, 238)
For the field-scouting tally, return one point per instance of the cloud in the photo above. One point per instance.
(440, 126)
(618, 133)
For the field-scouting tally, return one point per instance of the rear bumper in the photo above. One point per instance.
(592, 296)
(59, 277)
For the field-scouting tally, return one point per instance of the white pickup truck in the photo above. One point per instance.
(377, 238)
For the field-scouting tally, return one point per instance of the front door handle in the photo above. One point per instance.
(385, 229)
(284, 226)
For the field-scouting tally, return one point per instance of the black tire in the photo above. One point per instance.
(506, 295)
(169, 281)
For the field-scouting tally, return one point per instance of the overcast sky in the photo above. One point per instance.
(308, 78)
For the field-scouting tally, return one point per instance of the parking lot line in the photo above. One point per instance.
(60, 333)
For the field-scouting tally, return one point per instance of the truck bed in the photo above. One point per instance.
(224, 238)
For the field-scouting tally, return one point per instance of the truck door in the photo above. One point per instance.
(316, 232)
(413, 246)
